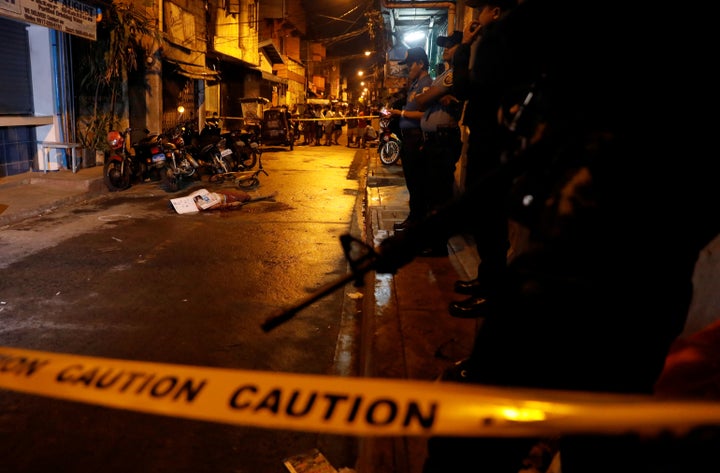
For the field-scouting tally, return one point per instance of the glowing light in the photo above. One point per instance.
(414, 36)
(523, 415)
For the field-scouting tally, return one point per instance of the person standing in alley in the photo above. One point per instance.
(319, 125)
(442, 142)
(410, 154)
(308, 125)
(352, 128)
(337, 124)
(329, 119)
(490, 225)
(602, 290)
(362, 126)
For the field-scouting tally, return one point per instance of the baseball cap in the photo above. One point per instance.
(480, 4)
(450, 41)
(415, 55)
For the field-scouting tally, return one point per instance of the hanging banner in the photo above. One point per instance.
(68, 16)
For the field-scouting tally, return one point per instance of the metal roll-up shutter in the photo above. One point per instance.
(16, 91)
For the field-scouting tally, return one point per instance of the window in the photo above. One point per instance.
(232, 6)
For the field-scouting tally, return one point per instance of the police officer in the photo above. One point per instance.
(489, 226)
(441, 136)
(418, 79)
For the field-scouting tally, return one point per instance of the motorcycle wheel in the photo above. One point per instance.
(390, 152)
(223, 166)
(249, 183)
(169, 180)
(247, 160)
(116, 176)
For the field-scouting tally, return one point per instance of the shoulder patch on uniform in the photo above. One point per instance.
(448, 79)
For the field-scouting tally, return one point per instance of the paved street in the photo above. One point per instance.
(124, 276)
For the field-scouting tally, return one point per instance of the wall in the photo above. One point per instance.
(235, 35)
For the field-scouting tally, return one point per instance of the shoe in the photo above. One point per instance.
(467, 287)
(470, 308)
(434, 252)
(408, 222)
(460, 371)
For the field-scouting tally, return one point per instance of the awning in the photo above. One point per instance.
(273, 78)
(317, 101)
(269, 49)
(195, 71)
(257, 100)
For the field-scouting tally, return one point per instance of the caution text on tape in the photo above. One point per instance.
(341, 405)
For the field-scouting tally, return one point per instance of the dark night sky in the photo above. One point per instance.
(337, 21)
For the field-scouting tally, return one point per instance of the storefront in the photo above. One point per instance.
(36, 98)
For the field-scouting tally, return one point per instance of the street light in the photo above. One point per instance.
(367, 84)
(414, 37)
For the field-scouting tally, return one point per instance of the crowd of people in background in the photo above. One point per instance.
(324, 124)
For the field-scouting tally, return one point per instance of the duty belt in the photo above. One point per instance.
(442, 135)
(410, 132)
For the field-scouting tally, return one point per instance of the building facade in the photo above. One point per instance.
(198, 56)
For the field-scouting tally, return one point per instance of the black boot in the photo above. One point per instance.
(408, 222)
(435, 251)
(468, 287)
(472, 308)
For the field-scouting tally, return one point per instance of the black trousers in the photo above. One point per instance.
(412, 164)
(440, 153)
(489, 225)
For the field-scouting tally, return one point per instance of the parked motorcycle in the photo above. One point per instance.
(123, 167)
(209, 147)
(389, 142)
(246, 148)
(177, 163)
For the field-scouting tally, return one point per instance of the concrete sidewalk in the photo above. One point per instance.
(409, 333)
(407, 330)
(30, 194)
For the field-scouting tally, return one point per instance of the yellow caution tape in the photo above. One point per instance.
(356, 406)
(333, 118)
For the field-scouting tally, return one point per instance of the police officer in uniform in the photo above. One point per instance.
(442, 143)
(419, 79)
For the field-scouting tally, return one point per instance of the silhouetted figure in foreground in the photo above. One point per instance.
(605, 285)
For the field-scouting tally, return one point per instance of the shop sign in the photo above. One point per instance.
(68, 16)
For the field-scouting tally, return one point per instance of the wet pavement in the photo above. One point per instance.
(407, 332)
(407, 329)
(413, 336)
